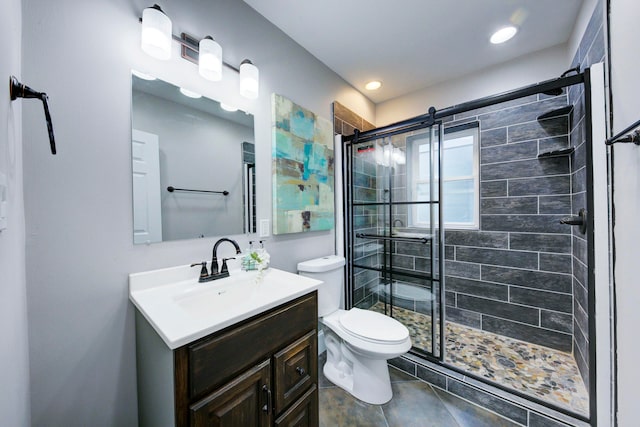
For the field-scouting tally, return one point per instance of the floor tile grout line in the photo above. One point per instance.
(477, 406)
(384, 417)
(446, 407)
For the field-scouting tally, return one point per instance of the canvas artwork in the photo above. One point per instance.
(303, 169)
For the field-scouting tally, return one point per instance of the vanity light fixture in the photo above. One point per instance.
(503, 35)
(190, 93)
(207, 53)
(373, 85)
(210, 59)
(156, 33)
(249, 78)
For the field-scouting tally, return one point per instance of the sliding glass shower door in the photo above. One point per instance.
(393, 209)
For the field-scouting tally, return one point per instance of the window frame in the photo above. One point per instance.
(454, 132)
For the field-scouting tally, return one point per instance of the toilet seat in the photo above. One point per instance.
(373, 327)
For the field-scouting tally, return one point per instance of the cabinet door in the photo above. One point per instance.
(304, 413)
(296, 368)
(244, 401)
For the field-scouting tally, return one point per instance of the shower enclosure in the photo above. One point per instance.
(388, 218)
(458, 223)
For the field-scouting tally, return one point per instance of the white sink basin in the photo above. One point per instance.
(182, 310)
(200, 300)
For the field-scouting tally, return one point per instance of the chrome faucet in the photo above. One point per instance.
(224, 271)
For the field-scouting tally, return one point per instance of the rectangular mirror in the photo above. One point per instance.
(193, 164)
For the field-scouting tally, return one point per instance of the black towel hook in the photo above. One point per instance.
(19, 90)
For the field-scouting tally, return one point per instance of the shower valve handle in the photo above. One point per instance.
(571, 220)
(580, 220)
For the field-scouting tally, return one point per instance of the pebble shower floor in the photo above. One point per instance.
(538, 371)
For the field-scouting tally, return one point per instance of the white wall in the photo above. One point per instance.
(523, 71)
(14, 356)
(625, 87)
(200, 151)
(78, 204)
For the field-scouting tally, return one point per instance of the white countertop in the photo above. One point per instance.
(181, 310)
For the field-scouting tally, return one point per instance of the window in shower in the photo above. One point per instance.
(459, 174)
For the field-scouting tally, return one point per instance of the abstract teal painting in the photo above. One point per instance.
(303, 169)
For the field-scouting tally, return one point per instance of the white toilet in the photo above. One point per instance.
(359, 342)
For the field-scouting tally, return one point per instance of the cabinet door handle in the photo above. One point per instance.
(301, 371)
(267, 406)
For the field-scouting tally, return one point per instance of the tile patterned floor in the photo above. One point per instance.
(542, 372)
(414, 404)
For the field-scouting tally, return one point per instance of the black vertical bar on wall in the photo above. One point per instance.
(388, 230)
(352, 239)
(441, 271)
(347, 170)
(432, 228)
(591, 287)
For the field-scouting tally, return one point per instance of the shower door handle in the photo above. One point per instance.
(579, 220)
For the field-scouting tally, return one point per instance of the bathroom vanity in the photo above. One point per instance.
(249, 360)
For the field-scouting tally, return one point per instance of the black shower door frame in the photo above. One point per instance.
(431, 118)
(436, 281)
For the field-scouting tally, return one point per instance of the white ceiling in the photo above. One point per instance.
(413, 44)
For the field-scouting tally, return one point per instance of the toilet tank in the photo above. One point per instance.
(329, 269)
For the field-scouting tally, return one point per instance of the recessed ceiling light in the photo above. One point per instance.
(189, 93)
(373, 85)
(503, 34)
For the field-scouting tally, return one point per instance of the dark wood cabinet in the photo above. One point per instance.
(244, 401)
(304, 413)
(260, 372)
(296, 368)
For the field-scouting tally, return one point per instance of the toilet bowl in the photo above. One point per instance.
(359, 342)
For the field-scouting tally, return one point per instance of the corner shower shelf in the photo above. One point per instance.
(556, 113)
(557, 153)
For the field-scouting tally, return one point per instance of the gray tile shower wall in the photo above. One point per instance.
(513, 275)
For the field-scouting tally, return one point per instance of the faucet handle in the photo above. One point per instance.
(224, 265)
(203, 271)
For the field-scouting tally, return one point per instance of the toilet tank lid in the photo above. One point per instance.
(318, 265)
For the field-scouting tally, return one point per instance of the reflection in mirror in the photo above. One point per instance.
(193, 165)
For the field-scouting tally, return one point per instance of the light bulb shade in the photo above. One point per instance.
(210, 59)
(190, 93)
(156, 33)
(228, 107)
(249, 80)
